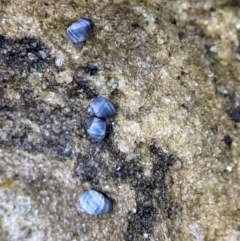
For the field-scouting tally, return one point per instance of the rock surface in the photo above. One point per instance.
(170, 160)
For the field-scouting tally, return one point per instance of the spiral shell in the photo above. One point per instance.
(101, 107)
(94, 203)
(79, 30)
(96, 128)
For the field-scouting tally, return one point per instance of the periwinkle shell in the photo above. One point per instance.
(96, 128)
(101, 107)
(94, 203)
(79, 30)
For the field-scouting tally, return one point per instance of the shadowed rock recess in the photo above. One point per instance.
(170, 159)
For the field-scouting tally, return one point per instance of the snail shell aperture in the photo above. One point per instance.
(94, 203)
(101, 107)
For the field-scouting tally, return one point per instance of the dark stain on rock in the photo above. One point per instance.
(163, 163)
(19, 57)
(173, 21)
(74, 5)
(86, 91)
(91, 70)
(158, 21)
(147, 189)
(227, 140)
(172, 210)
(238, 227)
(115, 92)
(234, 114)
(87, 169)
(238, 38)
(214, 80)
(127, 170)
(27, 120)
(54, 137)
(200, 33)
(135, 25)
(181, 35)
(233, 3)
(141, 221)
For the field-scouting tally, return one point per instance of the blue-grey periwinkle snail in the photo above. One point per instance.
(79, 31)
(101, 107)
(94, 203)
(96, 128)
